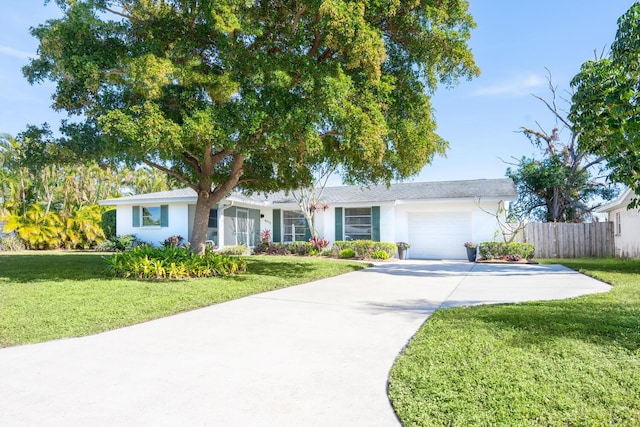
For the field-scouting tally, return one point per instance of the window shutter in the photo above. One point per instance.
(338, 221)
(277, 233)
(375, 223)
(136, 216)
(164, 215)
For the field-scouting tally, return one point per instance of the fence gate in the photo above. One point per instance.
(566, 240)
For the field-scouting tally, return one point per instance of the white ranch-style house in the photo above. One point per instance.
(626, 224)
(436, 218)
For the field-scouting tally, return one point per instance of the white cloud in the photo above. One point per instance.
(9, 51)
(516, 86)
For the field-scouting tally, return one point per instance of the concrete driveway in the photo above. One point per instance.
(312, 355)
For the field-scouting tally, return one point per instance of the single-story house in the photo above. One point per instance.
(626, 224)
(436, 218)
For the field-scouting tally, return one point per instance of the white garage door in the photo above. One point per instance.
(439, 235)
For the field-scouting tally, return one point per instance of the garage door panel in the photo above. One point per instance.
(439, 235)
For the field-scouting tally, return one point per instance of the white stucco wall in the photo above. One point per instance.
(627, 232)
(178, 224)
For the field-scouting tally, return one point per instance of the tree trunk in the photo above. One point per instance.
(309, 217)
(208, 198)
(201, 221)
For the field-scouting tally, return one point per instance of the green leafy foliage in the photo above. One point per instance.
(550, 190)
(301, 248)
(605, 105)
(347, 253)
(126, 242)
(40, 229)
(235, 250)
(172, 262)
(173, 241)
(565, 184)
(364, 248)
(380, 254)
(109, 224)
(254, 94)
(508, 251)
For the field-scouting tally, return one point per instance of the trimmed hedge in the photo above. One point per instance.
(172, 262)
(364, 248)
(502, 250)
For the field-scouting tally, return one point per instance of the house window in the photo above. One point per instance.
(357, 224)
(151, 216)
(294, 226)
(213, 218)
(618, 224)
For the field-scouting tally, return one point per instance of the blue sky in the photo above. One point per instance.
(512, 44)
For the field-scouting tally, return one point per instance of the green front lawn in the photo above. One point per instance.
(49, 295)
(559, 363)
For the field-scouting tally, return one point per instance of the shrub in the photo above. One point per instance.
(261, 248)
(347, 253)
(364, 248)
(278, 249)
(108, 224)
(126, 242)
(144, 262)
(502, 250)
(106, 246)
(380, 254)
(174, 241)
(300, 248)
(235, 250)
(523, 250)
(11, 242)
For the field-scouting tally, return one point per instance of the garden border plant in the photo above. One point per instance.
(172, 262)
(512, 251)
(364, 248)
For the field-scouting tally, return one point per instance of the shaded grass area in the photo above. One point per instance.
(573, 362)
(44, 296)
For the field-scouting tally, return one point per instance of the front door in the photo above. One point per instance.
(242, 227)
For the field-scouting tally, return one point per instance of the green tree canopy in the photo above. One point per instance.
(605, 106)
(234, 93)
(563, 185)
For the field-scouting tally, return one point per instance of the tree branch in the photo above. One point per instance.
(173, 173)
(296, 17)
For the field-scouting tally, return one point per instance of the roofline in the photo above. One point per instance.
(619, 201)
(133, 201)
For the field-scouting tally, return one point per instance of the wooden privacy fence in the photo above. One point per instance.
(565, 240)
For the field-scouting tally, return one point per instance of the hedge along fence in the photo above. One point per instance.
(364, 248)
(501, 250)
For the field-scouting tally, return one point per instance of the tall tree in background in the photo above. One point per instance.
(562, 186)
(226, 94)
(53, 205)
(605, 106)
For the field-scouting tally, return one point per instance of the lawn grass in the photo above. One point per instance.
(44, 296)
(573, 362)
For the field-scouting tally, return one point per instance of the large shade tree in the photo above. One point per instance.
(251, 94)
(606, 107)
(565, 184)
